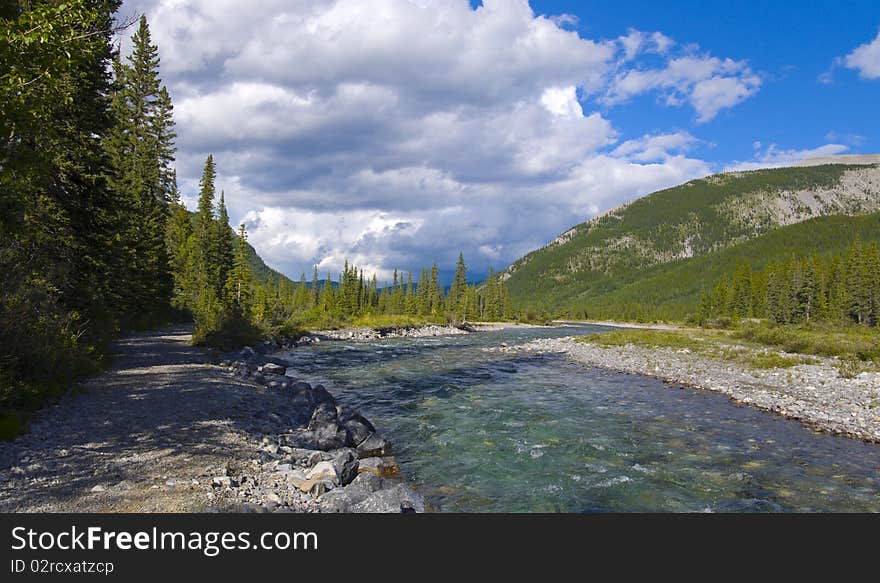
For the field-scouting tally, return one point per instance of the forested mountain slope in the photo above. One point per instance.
(587, 266)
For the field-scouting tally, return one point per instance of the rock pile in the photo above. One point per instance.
(330, 456)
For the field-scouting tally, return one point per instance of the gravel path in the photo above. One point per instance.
(152, 434)
(814, 394)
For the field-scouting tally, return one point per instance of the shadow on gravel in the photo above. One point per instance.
(158, 416)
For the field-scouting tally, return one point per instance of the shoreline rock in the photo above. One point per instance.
(813, 394)
(320, 449)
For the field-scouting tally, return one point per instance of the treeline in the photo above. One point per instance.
(843, 288)
(211, 278)
(94, 237)
(84, 178)
(356, 297)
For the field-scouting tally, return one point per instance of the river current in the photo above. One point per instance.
(480, 431)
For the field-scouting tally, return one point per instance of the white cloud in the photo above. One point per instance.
(655, 147)
(708, 83)
(775, 157)
(865, 59)
(636, 42)
(398, 132)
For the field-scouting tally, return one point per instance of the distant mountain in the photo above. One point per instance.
(261, 272)
(596, 266)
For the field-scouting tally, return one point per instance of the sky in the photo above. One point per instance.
(395, 133)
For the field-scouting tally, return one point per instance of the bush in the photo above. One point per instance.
(227, 333)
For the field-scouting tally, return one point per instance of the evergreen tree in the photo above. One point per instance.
(316, 287)
(141, 149)
(225, 253)
(204, 250)
(238, 284)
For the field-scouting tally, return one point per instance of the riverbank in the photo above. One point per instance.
(167, 430)
(616, 324)
(812, 391)
(360, 333)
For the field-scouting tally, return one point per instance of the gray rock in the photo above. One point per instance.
(324, 471)
(325, 438)
(323, 414)
(342, 499)
(346, 463)
(272, 368)
(321, 395)
(374, 446)
(301, 387)
(331, 436)
(357, 425)
(395, 500)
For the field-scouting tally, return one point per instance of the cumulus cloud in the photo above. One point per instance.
(774, 156)
(707, 83)
(393, 133)
(865, 59)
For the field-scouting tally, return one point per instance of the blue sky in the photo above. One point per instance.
(790, 44)
(394, 133)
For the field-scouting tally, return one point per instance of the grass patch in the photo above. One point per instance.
(850, 342)
(717, 344)
(393, 321)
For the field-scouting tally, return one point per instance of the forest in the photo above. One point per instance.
(842, 289)
(94, 238)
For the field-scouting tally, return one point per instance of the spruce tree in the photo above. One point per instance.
(457, 292)
(238, 285)
(225, 252)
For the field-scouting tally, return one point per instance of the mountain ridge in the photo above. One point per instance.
(696, 218)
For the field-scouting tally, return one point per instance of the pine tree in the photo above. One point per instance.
(204, 233)
(435, 300)
(141, 150)
(238, 285)
(316, 287)
(177, 234)
(225, 253)
(410, 307)
(457, 293)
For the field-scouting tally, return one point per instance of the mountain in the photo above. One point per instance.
(606, 266)
(262, 273)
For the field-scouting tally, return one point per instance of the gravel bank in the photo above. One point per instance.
(814, 394)
(426, 331)
(166, 430)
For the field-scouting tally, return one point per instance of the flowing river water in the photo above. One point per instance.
(480, 431)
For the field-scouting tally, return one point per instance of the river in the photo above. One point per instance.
(480, 431)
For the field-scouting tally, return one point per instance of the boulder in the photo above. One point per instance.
(323, 414)
(314, 484)
(346, 463)
(331, 436)
(357, 425)
(324, 471)
(325, 438)
(273, 368)
(342, 499)
(395, 500)
(320, 395)
(374, 446)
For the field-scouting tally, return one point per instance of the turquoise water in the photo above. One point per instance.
(481, 431)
